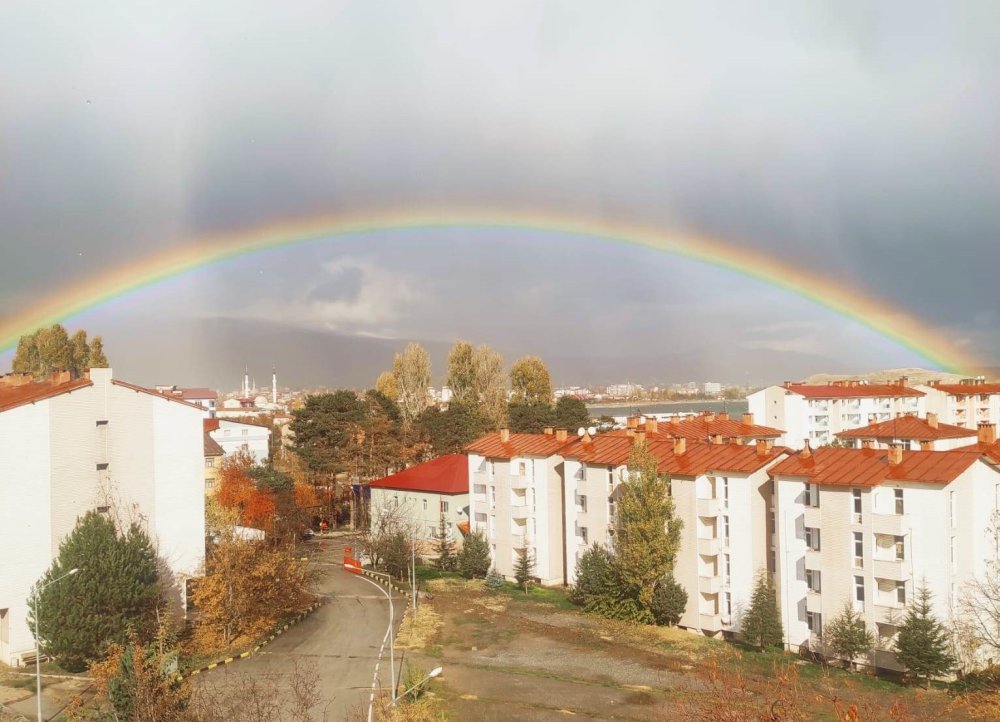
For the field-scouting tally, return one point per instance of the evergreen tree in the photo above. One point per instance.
(445, 548)
(524, 569)
(449, 431)
(847, 636)
(530, 417)
(96, 358)
(571, 414)
(115, 589)
(669, 602)
(494, 580)
(474, 558)
(922, 641)
(762, 622)
(648, 534)
(595, 575)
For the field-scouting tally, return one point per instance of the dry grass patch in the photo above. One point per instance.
(419, 628)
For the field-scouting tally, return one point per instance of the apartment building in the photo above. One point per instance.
(213, 463)
(237, 436)
(203, 397)
(708, 427)
(516, 499)
(818, 412)
(867, 526)
(914, 432)
(73, 445)
(720, 492)
(967, 403)
(424, 493)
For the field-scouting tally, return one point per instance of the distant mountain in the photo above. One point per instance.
(914, 376)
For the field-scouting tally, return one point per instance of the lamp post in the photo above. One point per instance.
(430, 675)
(38, 646)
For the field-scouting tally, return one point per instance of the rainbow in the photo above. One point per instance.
(893, 324)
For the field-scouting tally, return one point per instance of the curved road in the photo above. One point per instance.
(341, 640)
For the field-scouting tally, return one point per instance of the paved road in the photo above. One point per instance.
(341, 640)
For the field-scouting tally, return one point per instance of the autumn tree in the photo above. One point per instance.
(461, 378)
(530, 381)
(762, 621)
(571, 413)
(52, 349)
(387, 386)
(239, 490)
(847, 635)
(247, 587)
(412, 369)
(922, 642)
(491, 386)
(648, 533)
(116, 588)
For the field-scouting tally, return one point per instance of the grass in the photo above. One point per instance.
(553, 596)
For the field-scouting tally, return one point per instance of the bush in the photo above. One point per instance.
(494, 580)
(595, 575)
(396, 555)
(669, 602)
(624, 609)
(474, 558)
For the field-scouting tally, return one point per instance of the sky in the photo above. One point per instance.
(853, 139)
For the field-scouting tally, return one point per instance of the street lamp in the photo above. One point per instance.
(38, 647)
(430, 675)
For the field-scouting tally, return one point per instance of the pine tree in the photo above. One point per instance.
(669, 601)
(445, 548)
(595, 575)
(648, 534)
(525, 569)
(494, 580)
(847, 636)
(761, 622)
(922, 641)
(115, 589)
(474, 558)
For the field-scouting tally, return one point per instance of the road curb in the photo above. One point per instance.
(381, 580)
(262, 643)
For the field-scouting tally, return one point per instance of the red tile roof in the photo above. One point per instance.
(189, 394)
(13, 396)
(152, 392)
(843, 391)
(447, 474)
(871, 467)
(212, 447)
(210, 424)
(967, 389)
(705, 426)
(517, 445)
(907, 427)
(990, 450)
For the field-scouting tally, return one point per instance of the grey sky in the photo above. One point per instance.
(856, 138)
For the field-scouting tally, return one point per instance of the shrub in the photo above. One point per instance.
(624, 609)
(595, 575)
(669, 602)
(494, 580)
(474, 558)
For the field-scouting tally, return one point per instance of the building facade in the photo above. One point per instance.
(95, 443)
(966, 404)
(237, 436)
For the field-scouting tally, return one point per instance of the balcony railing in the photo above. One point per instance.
(890, 524)
(813, 517)
(890, 613)
(708, 507)
(814, 601)
(893, 569)
(519, 541)
(520, 482)
(709, 584)
(520, 512)
(710, 547)
(710, 622)
(814, 559)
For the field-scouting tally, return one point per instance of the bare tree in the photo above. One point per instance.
(491, 385)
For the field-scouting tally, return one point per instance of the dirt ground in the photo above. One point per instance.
(507, 656)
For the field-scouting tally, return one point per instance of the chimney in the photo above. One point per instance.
(651, 425)
(630, 432)
(640, 437)
(932, 420)
(585, 439)
(926, 445)
(561, 434)
(903, 380)
(895, 454)
(60, 377)
(632, 422)
(548, 430)
(764, 447)
(806, 450)
(717, 439)
(724, 416)
(504, 436)
(867, 443)
(987, 433)
(16, 379)
(748, 419)
(680, 446)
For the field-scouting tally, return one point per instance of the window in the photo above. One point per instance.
(898, 498)
(225, 432)
(102, 422)
(727, 606)
(901, 593)
(813, 580)
(103, 509)
(771, 515)
(725, 527)
(245, 447)
(856, 500)
(431, 533)
(859, 550)
(444, 506)
(102, 466)
(209, 462)
(812, 538)
(246, 432)
(725, 490)
(209, 483)
(725, 566)
(425, 505)
(951, 509)
(611, 476)
(859, 592)
(479, 488)
(814, 620)
(900, 545)
(954, 553)
(493, 469)
(583, 534)
(811, 495)
(4, 627)
(522, 468)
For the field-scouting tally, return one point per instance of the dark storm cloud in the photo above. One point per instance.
(857, 139)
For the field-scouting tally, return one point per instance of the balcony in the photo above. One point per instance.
(519, 541)
(521, 511)
(710, 622)
(890, 524)
(709, 585)
(814, 601)
(520, 482)
(708, 507)
(890, 614)
(710, 547)
(895, 569)
(814, 559)
(813, 517)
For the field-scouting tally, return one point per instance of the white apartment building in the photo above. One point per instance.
(424, 493)
(516, 499)
(236, 436)
(867, 526)
(720, 492)
(915, 433)
(71, 445)
(203, 397)
(818, 412)
(967, 403)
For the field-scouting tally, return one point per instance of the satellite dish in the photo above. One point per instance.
(592, 431)
(581, 431)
